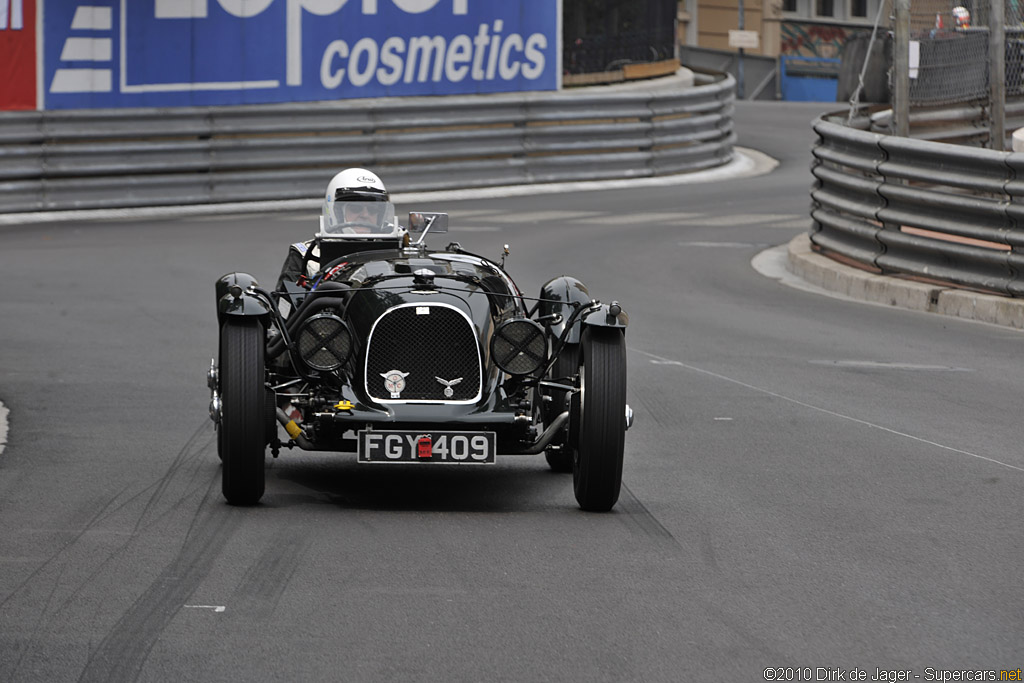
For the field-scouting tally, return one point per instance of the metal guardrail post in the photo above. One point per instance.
(997, 74)
(901, 68)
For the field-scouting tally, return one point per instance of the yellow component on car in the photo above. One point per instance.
(345, 405)
(293, 429)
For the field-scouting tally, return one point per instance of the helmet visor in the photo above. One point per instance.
(371, 218)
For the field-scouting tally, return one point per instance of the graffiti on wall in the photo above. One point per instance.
(812, 40)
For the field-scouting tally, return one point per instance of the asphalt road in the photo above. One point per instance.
(809, 482)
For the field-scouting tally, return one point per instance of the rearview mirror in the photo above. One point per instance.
(419, 220)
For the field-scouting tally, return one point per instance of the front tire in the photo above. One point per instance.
(597, 467)
(242, 441)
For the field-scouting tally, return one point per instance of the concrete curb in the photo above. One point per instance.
(833, 276)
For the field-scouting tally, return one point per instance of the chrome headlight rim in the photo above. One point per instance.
(306, 328)
(533, 350)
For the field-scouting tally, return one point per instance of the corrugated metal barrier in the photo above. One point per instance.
(927, 209)
(88, 159)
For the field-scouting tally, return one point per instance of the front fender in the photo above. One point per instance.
(246, 304)
(557, 296)
(608, 315)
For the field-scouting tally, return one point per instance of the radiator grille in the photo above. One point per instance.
(427, 342)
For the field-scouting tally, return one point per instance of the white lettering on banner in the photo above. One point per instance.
(333, 80)
(509, 71)
(420, 6)
(425, 47)
(323, 8)
(460, 51)
(431, 58)
(244, 8)
(17, 20)
(360, 77)
(390, 58)
(180, 9)
(89, 18)
(492, 59)
(533, 54)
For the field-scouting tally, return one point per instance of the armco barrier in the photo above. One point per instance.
(927, 209)
(148, 157)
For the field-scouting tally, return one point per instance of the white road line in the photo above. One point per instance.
(3, 427)
(797, 223)
(215, 608)
(885, 365)
(729, 245)
(658, 360)
(639, 219)
(231, 217)
(472, 213)
(739, 219)
(515, 217)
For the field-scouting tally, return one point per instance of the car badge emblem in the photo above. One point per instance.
(448, 391)
(394, 381)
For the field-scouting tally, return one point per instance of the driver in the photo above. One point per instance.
(356, 204)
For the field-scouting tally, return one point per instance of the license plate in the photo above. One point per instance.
(450, 448)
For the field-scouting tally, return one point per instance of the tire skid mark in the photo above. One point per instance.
(50, 560)
(190, 492)
(635, 515)
(43, 615)
(40, 618)
(266, 580)
(122, 653)
(107, 512)
(163, 484)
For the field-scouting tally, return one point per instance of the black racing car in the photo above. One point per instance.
(402, 354)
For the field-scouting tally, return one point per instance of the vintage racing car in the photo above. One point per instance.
(401, 354)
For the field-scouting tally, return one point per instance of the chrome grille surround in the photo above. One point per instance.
(439, 344)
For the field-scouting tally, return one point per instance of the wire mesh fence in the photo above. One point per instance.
(950, 56)
(949, 48)
(601, 35)
(1014, 18)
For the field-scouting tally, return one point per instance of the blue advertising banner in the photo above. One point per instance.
(165, 53)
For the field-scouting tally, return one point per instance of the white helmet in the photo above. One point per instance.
(356, 202)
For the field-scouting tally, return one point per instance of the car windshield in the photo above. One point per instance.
(360, 219)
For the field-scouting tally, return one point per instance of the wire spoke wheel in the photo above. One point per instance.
(243, 426)
(597, 467)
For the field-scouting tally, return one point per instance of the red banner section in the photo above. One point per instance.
(17, 54)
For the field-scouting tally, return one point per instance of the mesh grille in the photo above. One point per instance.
(324, 342)
(519, 347)
(438, 344)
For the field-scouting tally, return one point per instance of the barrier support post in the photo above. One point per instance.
(997, 75)
(901, 69)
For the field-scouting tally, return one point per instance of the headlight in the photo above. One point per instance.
(324, 342)
(519, 346)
